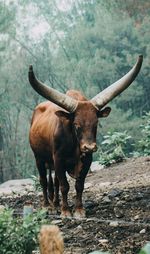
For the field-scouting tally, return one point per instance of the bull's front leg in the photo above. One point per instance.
(79, 186)
(64, 187)
(79, 210)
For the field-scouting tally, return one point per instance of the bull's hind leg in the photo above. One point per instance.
(56, 191)
(43, 179)
(51, 192)
(50, 187)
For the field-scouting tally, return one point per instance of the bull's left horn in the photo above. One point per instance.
(101, 99)
(62, 100)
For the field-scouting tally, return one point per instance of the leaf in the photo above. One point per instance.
(145, 249)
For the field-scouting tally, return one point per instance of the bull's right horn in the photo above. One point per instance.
(101, 99)
(62, 100)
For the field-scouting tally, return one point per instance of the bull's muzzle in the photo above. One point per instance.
(88, 148)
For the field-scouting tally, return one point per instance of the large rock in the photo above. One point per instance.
(19, 186)
(96, 166)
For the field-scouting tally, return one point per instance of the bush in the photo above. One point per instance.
(114, 148)
(144, 143)
(19, 236)
(145, 249)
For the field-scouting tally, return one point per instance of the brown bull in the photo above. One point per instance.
(63, 136)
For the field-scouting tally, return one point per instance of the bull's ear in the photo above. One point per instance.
(104, 112)
(64, 115)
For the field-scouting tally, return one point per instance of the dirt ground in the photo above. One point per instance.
(117, 203)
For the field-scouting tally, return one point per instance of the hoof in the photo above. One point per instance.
(57, 205)
(65, 214)
(52, 212)
(46, 204)
(57, 209)
(49, 207)
(79, 213)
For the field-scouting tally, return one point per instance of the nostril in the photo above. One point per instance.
(83, 147)
(89, 147)
(94, 147)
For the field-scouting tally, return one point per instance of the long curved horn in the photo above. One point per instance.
(62, 100)
(101, 99)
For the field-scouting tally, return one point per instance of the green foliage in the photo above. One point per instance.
(114, 148)
(144, 142)
(17, 235)
(145, 249)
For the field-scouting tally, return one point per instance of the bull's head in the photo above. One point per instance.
(84, 114)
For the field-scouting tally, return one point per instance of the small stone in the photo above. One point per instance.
(96, 166)
(87, 185)
(106, 199)
(40, 194)
(78, 229)
(23, 193)
(89, 204)
(56, 222)
(30, 194)
(139, 196)
(119, 213)
(114, 224)
(90, 219)
(143, 231)
(136, 217)
(127, 197)
(9, 197)
(114, 193)
(3, 197)
(120, 203)
(103, 241)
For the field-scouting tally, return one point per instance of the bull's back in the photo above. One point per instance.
(42, 128)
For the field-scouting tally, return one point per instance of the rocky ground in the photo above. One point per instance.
(117, 202)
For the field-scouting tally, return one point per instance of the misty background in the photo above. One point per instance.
(80, 44)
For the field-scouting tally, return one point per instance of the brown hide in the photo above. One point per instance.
(48, 132)
(64, 136)
(51, 123)
(65, 142)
